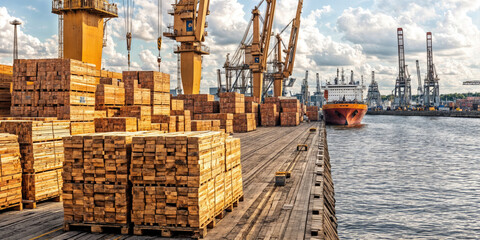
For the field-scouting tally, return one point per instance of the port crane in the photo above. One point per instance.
(304, 91)
(431, 89)
(419, 89)
(285, 67)
(403, 91)
(248, 63)
(260, 46)
(189, 30)
(374, 98)
(83, 28)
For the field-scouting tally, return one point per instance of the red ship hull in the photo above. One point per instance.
(344, 113)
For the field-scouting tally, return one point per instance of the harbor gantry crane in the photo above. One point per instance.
(285, 67)
(189, 30)
(374, 99)
(83, 24)
(431, 90)
(305, 93)
(420, 88)
(403, 90)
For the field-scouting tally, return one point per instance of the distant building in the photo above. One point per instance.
(173, 92)
(470, 103)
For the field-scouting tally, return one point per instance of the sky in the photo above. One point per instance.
(353, 35)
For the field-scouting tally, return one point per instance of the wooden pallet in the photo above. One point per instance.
(31, 204)
(16, 207)
(173, 231)
(123, 229)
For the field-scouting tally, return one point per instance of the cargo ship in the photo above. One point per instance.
(344, 101)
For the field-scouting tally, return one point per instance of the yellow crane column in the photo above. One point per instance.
(189, 31)
(83, 28)
(260, 45)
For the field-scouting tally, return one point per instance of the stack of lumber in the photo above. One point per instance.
(116, 124)
(182, 179)
(251, 106)
(42, 156)
(206, 125)
(6, 76)
(183, 120)
(206, 107)
(269, 115)
(158, 85)
(312, 113)
(134, 93)
(291, 112)
(109, 95)
(199, 103)
(143, 114)
(10, 172)
(232, 102)
(61, 88)
(226, 120)
(96, 169)
(244, 122)
(165, 121)
(274, 100)
(289, 119)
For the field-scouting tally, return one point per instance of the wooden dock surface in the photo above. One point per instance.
(267, 212)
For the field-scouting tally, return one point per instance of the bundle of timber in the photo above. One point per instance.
(167, 122)
(289, 119)
(206, 125)
(10, 172)
(183, 120)
(182, 181)
(206, 107)
(158, 85)
(143, 114)
(252, 107)
(97, 189)
(41, 143)
(116, 124)
(109, 96)
(42, 156)
(274, 100)
(226, 120)
(290, 105)
(244, 122)
(6, 76)
(312, 113)
(61, 88)
(232, 102)
(291, 112)
(199, 103)
(270, 117)
(176, 105)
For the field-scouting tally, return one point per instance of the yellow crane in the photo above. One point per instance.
(83, 24)
(189, 30)
(260, 46)
(285, 67)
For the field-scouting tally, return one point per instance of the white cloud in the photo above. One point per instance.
(29, 46)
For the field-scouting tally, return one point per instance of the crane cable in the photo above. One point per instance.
(128, 10)
(160, 29)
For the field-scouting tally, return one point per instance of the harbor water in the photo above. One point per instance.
(401, 177)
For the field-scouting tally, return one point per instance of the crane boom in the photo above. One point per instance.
(291, 50)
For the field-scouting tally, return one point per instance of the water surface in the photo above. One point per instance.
(407, 178)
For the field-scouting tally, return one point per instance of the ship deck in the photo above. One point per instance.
(267, 212)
